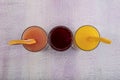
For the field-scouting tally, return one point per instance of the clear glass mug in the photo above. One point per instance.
(87, 38)
(34, 39)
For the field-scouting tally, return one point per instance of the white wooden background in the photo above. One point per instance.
(16, 63)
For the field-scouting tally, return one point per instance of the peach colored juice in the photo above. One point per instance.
(38, 34)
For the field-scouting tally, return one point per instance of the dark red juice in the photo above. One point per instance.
(60, 38)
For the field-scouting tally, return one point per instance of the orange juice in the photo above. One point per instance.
(88, 38)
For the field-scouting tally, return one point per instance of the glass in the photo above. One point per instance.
(88, 38)
(60, 38)
(34, 39)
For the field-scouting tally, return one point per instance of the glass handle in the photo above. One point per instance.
(28, 41)
(104, 40)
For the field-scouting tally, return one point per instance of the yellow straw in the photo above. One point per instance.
(28, 41)
(105, 40)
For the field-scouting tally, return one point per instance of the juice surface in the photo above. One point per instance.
(37, 33)
(82, 36)
(60, 38)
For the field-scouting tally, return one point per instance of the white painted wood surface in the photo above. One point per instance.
(16, 63)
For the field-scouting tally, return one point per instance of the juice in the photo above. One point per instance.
(37, 33)
(60, 38)
(88, 38)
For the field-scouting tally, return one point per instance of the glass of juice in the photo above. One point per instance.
(60, 38)
(88, 38)
(34, 39)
